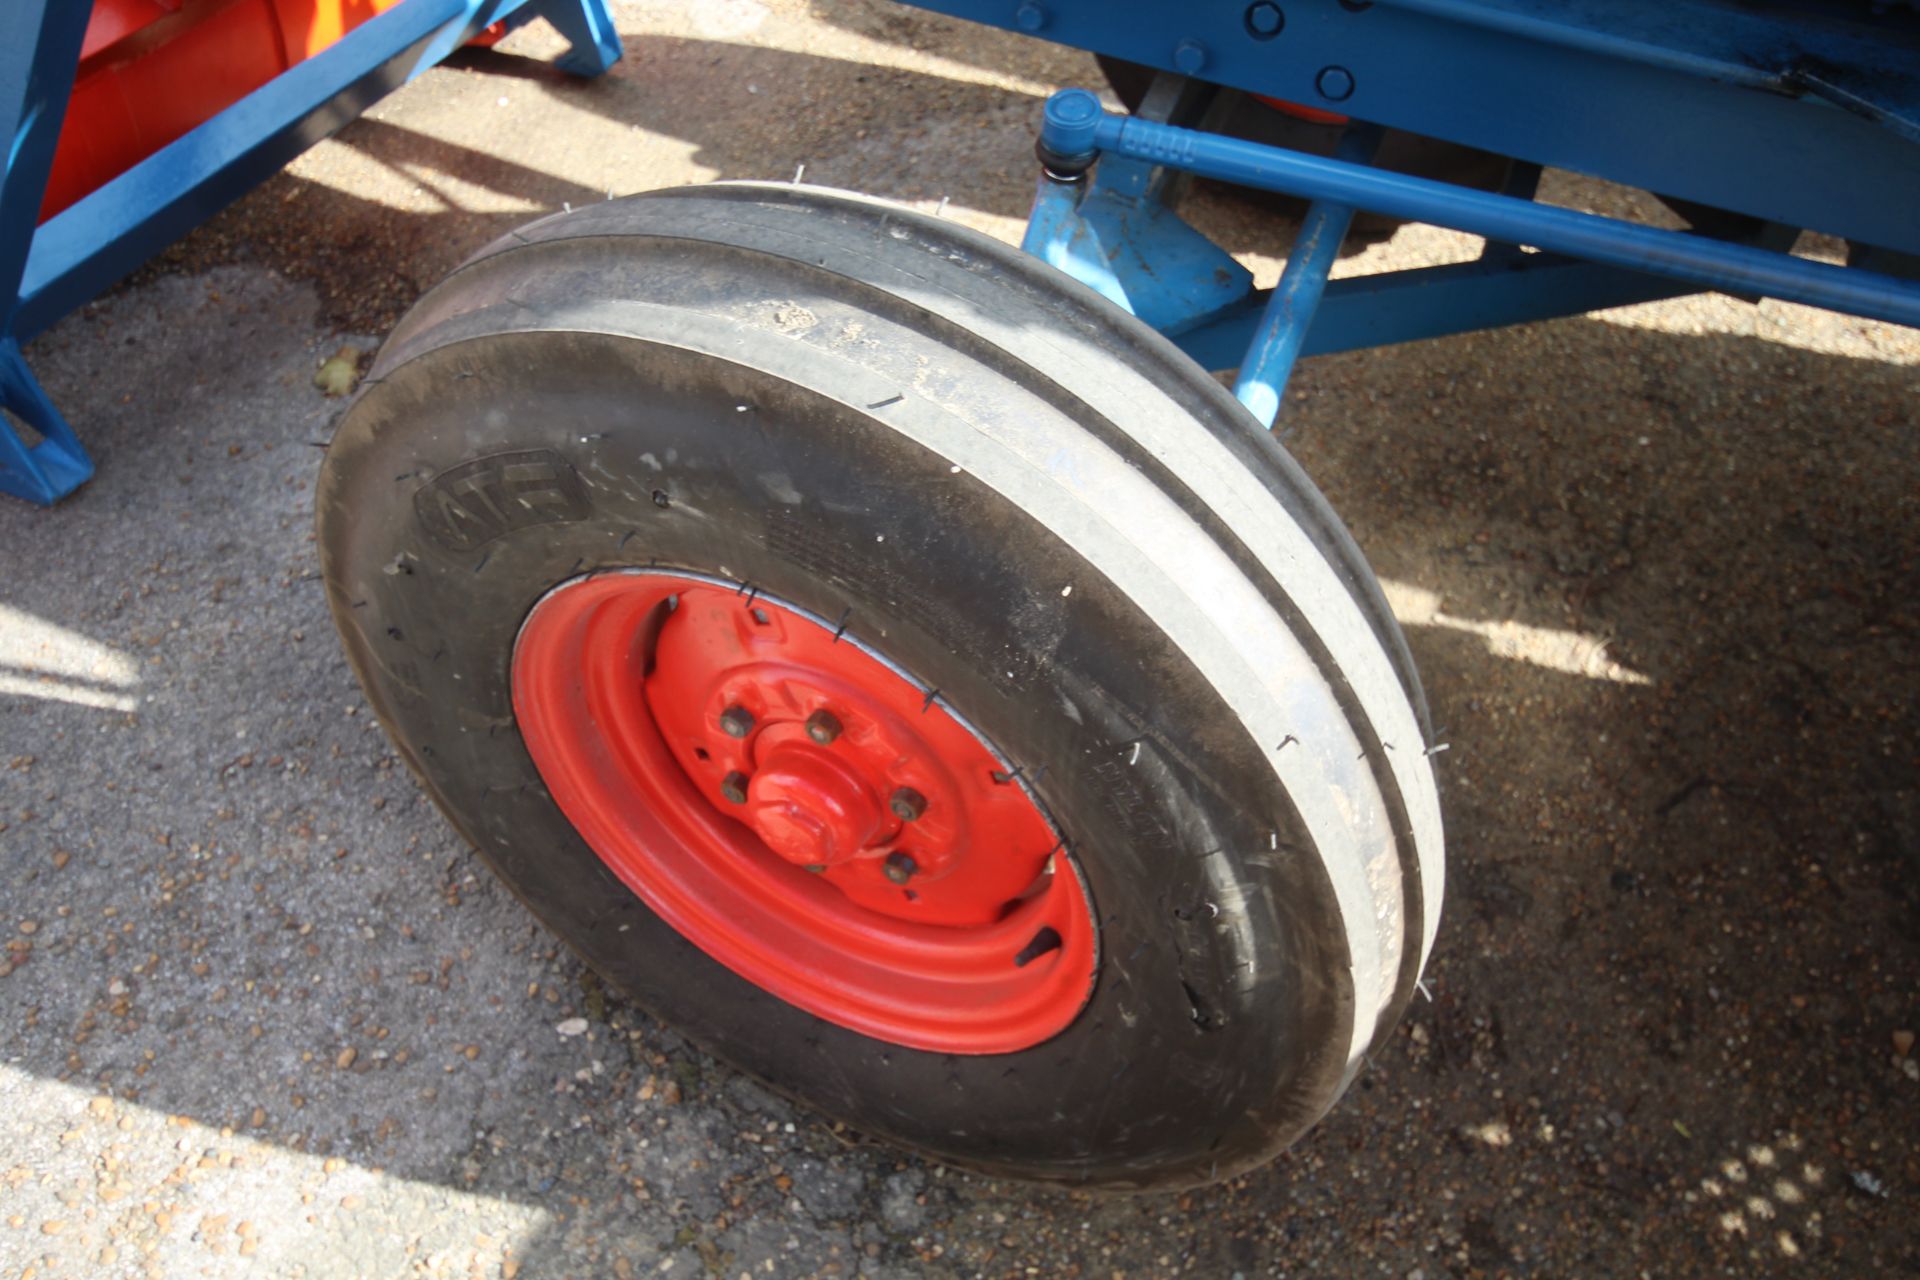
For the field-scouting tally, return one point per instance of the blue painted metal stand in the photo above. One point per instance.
(46, 271)
(36, 75)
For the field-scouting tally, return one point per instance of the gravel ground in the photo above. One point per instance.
(1659, 567)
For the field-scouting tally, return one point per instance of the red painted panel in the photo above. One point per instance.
(152, 70)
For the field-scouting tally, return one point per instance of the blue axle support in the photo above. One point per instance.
(1114, 234)
(1711, 264)
(1059, 237)
(1295, 299)
(1585, 262)
(48, 270)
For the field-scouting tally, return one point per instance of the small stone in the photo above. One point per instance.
(29, 926)
(572, 1027)
(259, 1117)
(53, 1226)
(341, 371)
(900, 1207)
(1903, 1042)
(1868, 1183)
(347, 1055)
(60, 858)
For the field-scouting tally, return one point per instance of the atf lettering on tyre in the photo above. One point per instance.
(469, 505)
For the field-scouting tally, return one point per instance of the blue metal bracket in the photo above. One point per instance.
(1117, 234)
(1135, 251)
(46, 271)
(51, 467)
(586, 25)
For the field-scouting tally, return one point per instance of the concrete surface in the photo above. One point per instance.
(266, 1016)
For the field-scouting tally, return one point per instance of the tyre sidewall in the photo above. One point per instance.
(1210, 1039)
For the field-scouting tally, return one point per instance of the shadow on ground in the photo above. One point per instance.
(1661, 588)
(1682, 919)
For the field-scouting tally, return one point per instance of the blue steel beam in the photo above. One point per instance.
(41, 59)
(1802, 114)
(40, 56)
(1070, 129)
(1432, 302)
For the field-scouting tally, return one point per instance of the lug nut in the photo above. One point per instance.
(734, 787)
(736, 722)
(907, 804)
(901, 867)
(823, 726)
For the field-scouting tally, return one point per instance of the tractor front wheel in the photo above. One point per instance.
(899, 670)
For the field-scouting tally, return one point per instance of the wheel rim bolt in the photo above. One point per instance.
(901, 867)
(734, 787)
(823, 726)
(736, 722)
(907, 804)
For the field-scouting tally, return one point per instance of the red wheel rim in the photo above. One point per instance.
(803, 812)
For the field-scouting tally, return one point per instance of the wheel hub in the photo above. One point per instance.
(812, 808)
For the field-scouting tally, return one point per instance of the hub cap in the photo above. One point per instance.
(803, 812)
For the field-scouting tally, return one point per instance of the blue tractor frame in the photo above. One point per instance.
(1789, 115)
